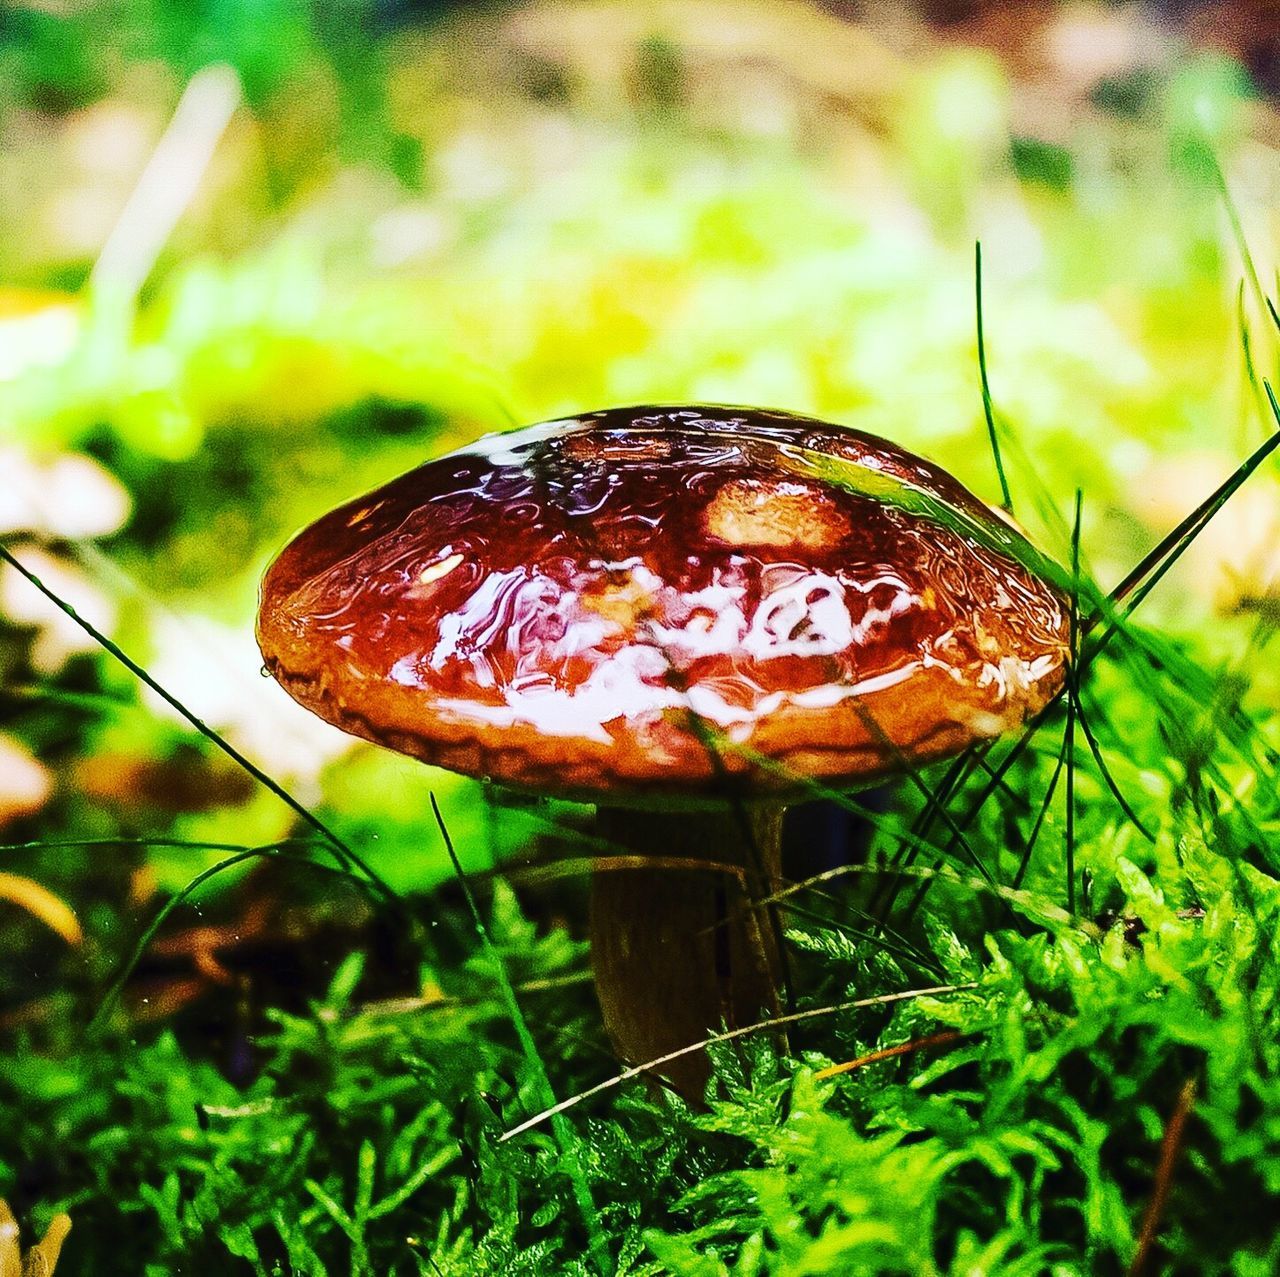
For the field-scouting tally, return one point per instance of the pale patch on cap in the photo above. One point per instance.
(782, 513)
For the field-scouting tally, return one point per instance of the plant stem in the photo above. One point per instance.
(678, 952)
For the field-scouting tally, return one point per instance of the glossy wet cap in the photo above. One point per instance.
(668, 601)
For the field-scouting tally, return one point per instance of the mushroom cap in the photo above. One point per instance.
(681, 602)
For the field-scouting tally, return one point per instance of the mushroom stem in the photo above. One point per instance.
(676, 951)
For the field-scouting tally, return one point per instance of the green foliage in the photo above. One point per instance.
(366, 1136)
(1029, 1146)
(370, 1137)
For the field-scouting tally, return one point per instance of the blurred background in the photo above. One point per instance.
(259, 255)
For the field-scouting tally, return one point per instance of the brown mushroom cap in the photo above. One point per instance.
(668, 601)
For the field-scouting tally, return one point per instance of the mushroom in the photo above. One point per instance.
(42, 1258)
(683, 615)
(25, 783)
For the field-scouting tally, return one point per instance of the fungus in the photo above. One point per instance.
(42, 1258)
(683, 615)
(25, 783)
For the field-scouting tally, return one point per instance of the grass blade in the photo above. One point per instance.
(1096, 750)
(564, 1135)
(1006, 499)
(345, 854)
(1147, 574)
(1045, 803)
(638, 1070)
(1073, 700)
(116, 986)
